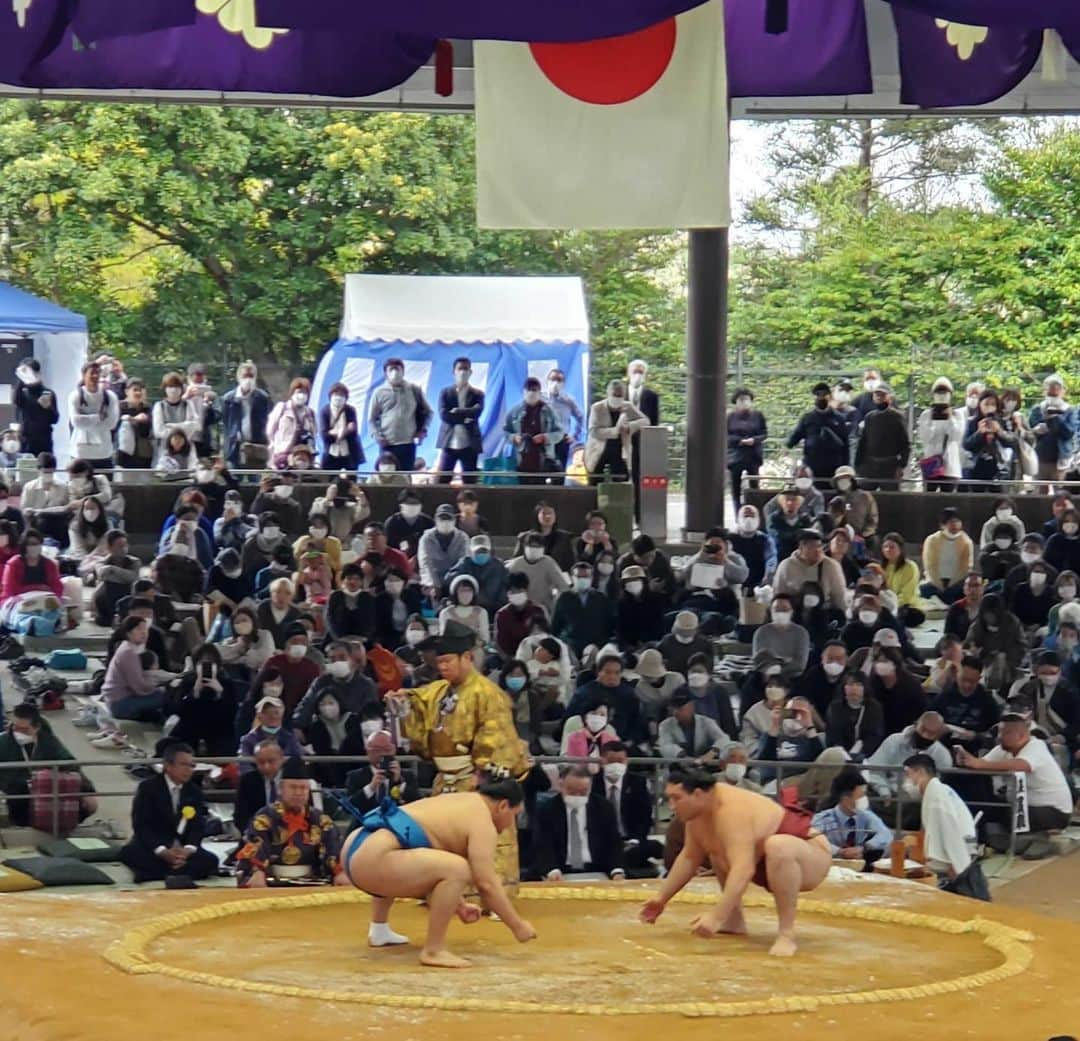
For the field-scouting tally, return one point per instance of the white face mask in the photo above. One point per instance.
(532, 397)
(595, 722)
(173, 394)
(1037, 581)
(775, 695)
(1052, 680)
(942, 397)
(614, 772)
(910, 789)
(792, 728)
(331, 710)
(461, 376)
(575, 802)
(871, 385)
(395, 376)
(386, 468)
(1067, 592)
(395, 588)
(337, 401)
(299, 398)
(445, 527)
(605, 567)
(781, 618)
(271, 532)
(843, 484)
(338, 669)
(272, 690)
(734, 772)
(1003, 543)
(410, 510)
(1004, 514)
(749, 524)
(414, 636)
(1069, 529)
(842, 397)
(862, 804)
(318, 533)
(697, 680)
(635, 588)
(884, 668)
(203, 476)
(246, 384)
(684, 638)
(973, 401)
(832, 668)
(637, 379)
(1029, 557)
(370, 727)
(555, 388)
(811, 600)
(283, 491)
(803, 483)
(868, 617)
(22, 739)
(10, 446)
(615, 403)
(533, 553)
(518, 599)
(296, 651)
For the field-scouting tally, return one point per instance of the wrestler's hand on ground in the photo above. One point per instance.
(706, 924)
(524, 932)
(340, 879)
(469, 913)
(651, 911)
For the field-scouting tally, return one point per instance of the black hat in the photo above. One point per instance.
(455, 638)
(680, 698)
(808, 535)
(295, 769)
(821, 389)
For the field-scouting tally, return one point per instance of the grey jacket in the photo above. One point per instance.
(435, 561)
(399, 414)
(707, 734)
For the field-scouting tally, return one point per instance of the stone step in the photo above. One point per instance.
(92, 640)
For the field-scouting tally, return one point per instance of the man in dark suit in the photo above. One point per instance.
(647, 401)
(259, 787)
(628, 795)
(459, 436)
(381, 778)
(576, 831)
(168, 820)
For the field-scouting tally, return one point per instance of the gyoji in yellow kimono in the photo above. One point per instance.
(464, 724)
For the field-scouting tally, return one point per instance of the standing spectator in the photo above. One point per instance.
(990, 445)
(173, 413)
(244, 413)
(202, 398)
(291, 423)
(884, 445)
(942, 429)
(647, 402)
(947, 555)
(340, 429)
(558, 543)
(841, 403)
(583, 614)
(823, 434)
(533, 429)
(1054, 423)
(746, 434)
(399, 416)
(863, 405)
(135, 438)
(612, 424)
(568, 413)
(94, 413)
(1014, 424)
(45, 502)
(460, 407)
(36, 407)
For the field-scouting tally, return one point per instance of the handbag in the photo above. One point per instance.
(254, 456)
(1029, 461)
(971, 882)
(125, 439)
(68, 788)
(500, 468)
(933, 466)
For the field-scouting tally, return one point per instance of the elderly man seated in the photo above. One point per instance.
(685, 734)
(290, 840)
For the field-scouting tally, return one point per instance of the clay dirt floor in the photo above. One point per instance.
(58, 987)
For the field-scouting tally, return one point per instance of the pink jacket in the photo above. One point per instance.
(580, 745)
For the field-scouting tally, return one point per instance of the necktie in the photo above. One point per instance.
(269, 792)
(613, 798)
(577, 862)
(174, 796)
(852, 829)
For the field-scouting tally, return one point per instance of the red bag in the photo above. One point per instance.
(68, 786)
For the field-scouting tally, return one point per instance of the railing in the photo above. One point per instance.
(656, 766)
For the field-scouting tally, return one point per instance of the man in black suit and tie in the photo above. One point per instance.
(576, 831)
(647, 401)
(459, 436)
(259, 787)
(628, 796)
(168, 819)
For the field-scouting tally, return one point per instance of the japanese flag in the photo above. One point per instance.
(625, 132)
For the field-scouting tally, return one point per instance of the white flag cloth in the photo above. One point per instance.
(630, 132)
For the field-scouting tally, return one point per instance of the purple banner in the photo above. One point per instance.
(1024, 14)
(531, 20)
(951, 65)
(102, 19)
(824, 51)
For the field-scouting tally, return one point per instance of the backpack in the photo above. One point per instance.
(67, 658)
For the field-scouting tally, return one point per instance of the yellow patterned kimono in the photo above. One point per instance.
(464, 729)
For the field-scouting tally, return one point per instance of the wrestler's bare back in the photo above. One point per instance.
(449, 820)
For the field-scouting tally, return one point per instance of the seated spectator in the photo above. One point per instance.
(583, 615)
(268, 725)
(809, 564)
(558, 544)
(823, 624)
(45, 501)
(282, 565)
(755, 547)
(86, 534)
(685, 641)
(997, 639)
(593, 732)
(947, 555)
(350, 610)
(465, 609)
(226, 585)
(203, 706)
(783, 638)
(546, 580)
(853, 830)
(811, 500)
(168, 823)
(259, 787)
(187, 519)
(709, 699)
(405, 528)
(84, 484)
(1033, 599)
(612, 689)
(27, 573)
(595, 539)
(468, 514)
(1065, 587)
(999, 558)
(29, 739)
(822, 683)
(345, 506)
(178, 454)
(860, 507)
(756, 717)
(278, 614)
(214, 483)
(314, 578)
(486, 570)
(1063, 548)
(382, 777)
(188, 497)
(784, 525)
(114, 575)
(945, 670)
(902, 578)
(130, 690)
(869, 619)
(352, 691)
(854, 721)
(420, 664)
(899, 693)
(1004, 513)
(840, 550)
(1031, 552)
(927, 735)
(963, 612)
(295, 667)
(318, 537)
(736, 759)
(606, 578)
(658, 573)
(440, 548)
(639, 613)
(576, 831)
(276, 496)
(949, 839)
(515, 682)
(290, 838)
(655, 688)
(262, 548)
(629, 797)
(710, 582)
(515, 621)
(398, 601)
(1054, 705)
(9, 542)
(1049, 802)
(249, 647)
(792, 737)
(234, 527)
(685, 734)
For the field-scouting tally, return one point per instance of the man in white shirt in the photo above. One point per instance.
(577, 832)
(948, 827)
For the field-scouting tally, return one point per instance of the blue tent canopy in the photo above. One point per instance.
(509, 328)
(23, 313)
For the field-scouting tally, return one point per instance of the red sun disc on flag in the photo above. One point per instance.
(610, 71)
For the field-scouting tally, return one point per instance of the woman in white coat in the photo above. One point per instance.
(941, 433)
(612, 424)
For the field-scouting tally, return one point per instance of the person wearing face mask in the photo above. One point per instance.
(639, 612)
(854, 721)
(583, 614)
(822, 683)
(1031, 553)
(1004, 515)
(1053, 701)
(784, 638)
(277, 614)
(35, 407)
(1066, 585)
(258, 552)
(823, 435)
(399, 415)
(203, 399)
(558, 543)
(515, 620)
(45, 500)
(340, 430)
(353, 692)
(346, 506)
(655, 687)
(545, 579)
(291, 422)
(187, 518)
(736, 760)
(172, 413)
(860, 507)
(114, 573)
(926, 736)
(288, 674)
(756, 548)
(685, 641)
(941, 429)
(884, 445)
(793, 736)
(460, 440)
(352, 610)
(972, 395)
(1032, 601)
(586, 734)
(611, 688)
(268, 724)
(465, 609)
(997, 638)
(947, 555)
(1063, 548)
(810, 564)
(841, 403)
(991, 447)
(318, 537)
(628, 794)
(761, 691)
(854, 831)
(569, 415)
(900, 694)
(202, 707)
(226, 584)
(408, 524)
(747, 433)
(244, 413)
(1054, 423)
(647, 402)
(439, 549)
(710, 700)
(1067, 641)
(613, 422)
(864, 403)
(129, 689)
(214, 482)
(94, 412)
(86, 533)
(277, 495)
(484, 568)
(397, 602)
(532, 430)
(249, 647)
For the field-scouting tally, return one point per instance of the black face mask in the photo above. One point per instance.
(920, 742)
(821, 403)
(881, 406)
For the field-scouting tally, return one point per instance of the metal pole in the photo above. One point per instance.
(706, 364)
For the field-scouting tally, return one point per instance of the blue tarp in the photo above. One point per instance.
(22, 313)
(499, 369)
